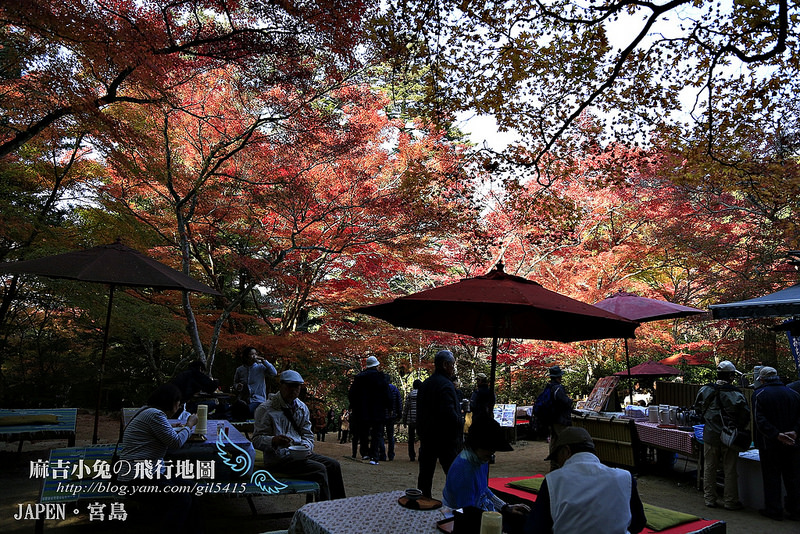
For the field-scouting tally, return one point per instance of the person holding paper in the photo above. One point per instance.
(467, 481)
(145, 442)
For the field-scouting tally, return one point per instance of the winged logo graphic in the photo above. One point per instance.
(240, 462)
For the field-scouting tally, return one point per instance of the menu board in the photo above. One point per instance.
(505, 414)
(601, 393)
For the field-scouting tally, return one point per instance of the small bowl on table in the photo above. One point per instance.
(298, 452)
(412, 494)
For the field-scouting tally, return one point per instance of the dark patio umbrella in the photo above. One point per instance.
(499, 305)
(643, 310)
(115, 265)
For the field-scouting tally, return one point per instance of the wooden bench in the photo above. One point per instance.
(61, 486)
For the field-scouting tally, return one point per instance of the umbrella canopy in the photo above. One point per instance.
(783, 303)
(113, 264)
(643, 309)
(689, 359)
(500, 305)
(650, 368)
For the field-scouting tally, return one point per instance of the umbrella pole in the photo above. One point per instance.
(628, 363)
(494, 364)
(102, 364)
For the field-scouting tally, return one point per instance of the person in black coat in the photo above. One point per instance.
(438, 421)
(194, 380)
(370, 398)
(482, 400)
(777, 416)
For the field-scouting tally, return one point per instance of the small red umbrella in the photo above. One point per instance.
(649, 368)
(643, 309)
(500, 305)
(689, 359)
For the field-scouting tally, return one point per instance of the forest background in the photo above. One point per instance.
(302, 158)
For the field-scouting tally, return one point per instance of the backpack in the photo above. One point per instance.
(543, 407)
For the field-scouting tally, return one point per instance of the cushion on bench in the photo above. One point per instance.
(18, 420)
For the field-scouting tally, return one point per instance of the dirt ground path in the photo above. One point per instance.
(674, 490)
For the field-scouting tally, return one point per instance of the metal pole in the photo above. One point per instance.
(103, 364)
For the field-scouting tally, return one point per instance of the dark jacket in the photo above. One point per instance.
(562, 405)
(395, 409)
(482, 401)
(193, 381)
(438, 410)
(370, 396)
(777, 409)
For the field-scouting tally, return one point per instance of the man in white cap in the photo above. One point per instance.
(370, 398)
(721, 404)
(578, 495)
(777, 416)
(284, 420)
(438, 421)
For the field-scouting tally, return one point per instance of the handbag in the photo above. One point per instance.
(735, 439)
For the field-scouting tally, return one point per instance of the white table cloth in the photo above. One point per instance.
(368, 514)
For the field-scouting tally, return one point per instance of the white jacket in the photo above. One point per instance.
(270, 421)
(587, 496)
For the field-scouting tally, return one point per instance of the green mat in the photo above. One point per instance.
(661, 519)
(532, 485)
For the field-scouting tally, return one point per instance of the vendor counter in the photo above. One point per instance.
(630, 442)
(614, 436)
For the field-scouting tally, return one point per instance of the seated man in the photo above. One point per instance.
(284, 420)
(580, 495)
(467, 481)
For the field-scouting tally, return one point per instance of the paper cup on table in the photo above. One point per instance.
(491, 523)
(202, 419)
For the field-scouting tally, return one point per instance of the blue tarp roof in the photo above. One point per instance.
(783, 303)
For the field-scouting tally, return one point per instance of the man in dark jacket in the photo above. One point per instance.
(438, 421)
(562, 410)
(369, 399)
(777, 416)
(393, 413)
(482, 400)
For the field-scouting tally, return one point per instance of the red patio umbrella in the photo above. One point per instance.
(500, 305)
(115, 265)
(649, 368)
(689, 359)
(643, 310)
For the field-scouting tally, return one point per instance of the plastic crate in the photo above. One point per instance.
(698, 432)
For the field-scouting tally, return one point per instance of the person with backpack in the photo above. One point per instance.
(553, 409)
(721, 404)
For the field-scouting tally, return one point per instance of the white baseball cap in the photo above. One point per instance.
(372, 361)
